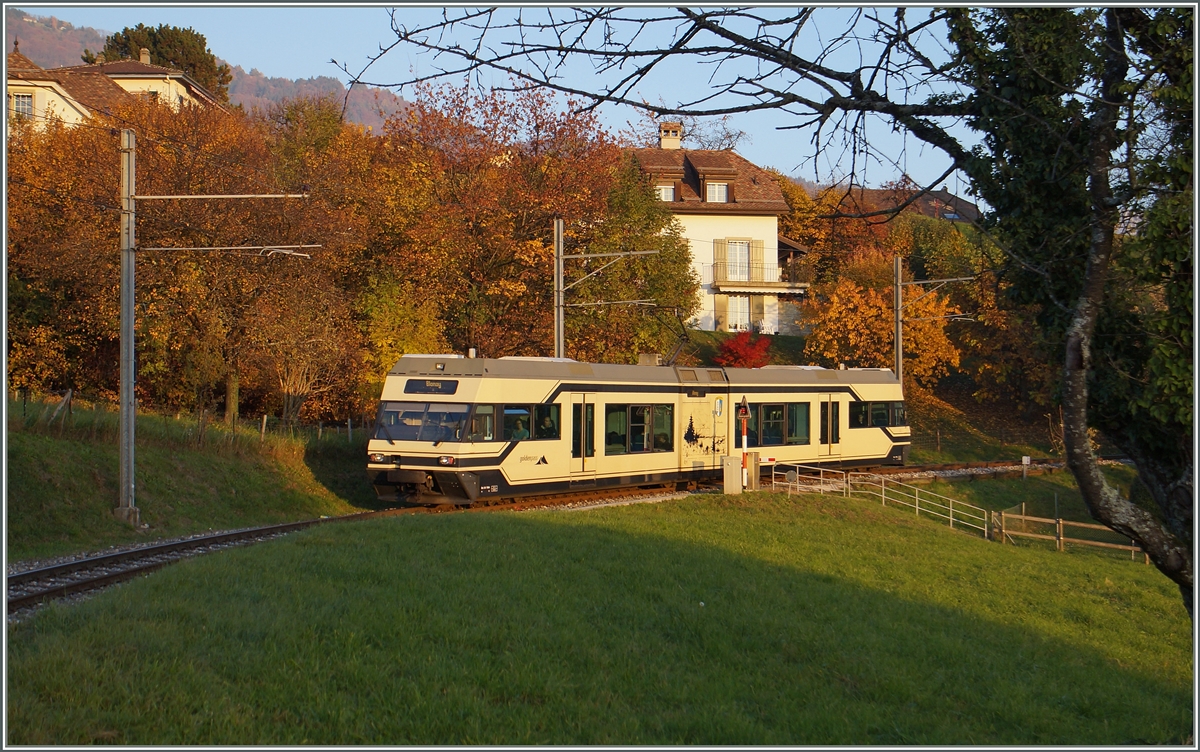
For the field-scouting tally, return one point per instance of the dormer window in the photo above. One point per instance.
(665, 192)
(718, 193)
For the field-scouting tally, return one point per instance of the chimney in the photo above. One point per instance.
(145, 56)
(669, 135)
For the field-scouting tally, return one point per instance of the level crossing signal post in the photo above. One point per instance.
(127, 510)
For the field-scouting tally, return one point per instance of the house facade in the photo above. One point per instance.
(729, 210)
(72, 94)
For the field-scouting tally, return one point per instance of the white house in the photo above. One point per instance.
(729, 209)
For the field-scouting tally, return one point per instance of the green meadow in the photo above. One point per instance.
(755, 619)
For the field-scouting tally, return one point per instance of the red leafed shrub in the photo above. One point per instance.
(743, 352)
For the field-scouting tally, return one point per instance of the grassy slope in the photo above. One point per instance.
(712, 620)
(62, 489)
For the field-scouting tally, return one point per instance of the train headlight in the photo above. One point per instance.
(444, 460)
(377, 458)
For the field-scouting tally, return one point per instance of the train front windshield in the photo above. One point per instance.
(421, 421)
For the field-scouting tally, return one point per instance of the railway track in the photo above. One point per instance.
(31, 587)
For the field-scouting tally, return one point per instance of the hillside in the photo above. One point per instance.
(53, 43)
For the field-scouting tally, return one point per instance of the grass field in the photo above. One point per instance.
(63, 481)
(755, 619)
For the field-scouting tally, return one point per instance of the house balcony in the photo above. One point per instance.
(733, 276)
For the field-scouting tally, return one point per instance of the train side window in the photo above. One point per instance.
(545, 421)
(898, 416)
(797, 423)
(880, 413)
(639, 428)
(716, 375)
(616, 429)
(664, 428)
(859, 414)
(483, 423)
(771, 430)
(516, 422)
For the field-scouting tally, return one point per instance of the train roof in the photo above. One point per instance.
(563, 369)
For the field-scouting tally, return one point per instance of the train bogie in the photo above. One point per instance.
(457, 430)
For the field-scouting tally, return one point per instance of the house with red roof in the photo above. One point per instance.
(729, 210)
(71, 94)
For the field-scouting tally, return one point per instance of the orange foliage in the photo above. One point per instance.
(855, 326)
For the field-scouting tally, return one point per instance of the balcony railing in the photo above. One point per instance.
(734, 273)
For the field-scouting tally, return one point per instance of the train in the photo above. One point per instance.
(460, 430)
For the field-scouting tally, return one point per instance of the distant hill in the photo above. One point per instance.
(49, 42)
(53, 43)
(254, 90)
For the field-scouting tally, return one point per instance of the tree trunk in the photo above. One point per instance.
(231, 396)
(1172, 556)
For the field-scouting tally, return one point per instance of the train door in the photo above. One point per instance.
(830, 432)
(583, 440)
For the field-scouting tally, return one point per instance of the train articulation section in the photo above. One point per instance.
(456, 430)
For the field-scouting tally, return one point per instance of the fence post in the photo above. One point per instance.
(349, 430)
(1058, 531)
(917, 496)
(939, 441)
(951, 514)
(262, 432)
(1003, 529)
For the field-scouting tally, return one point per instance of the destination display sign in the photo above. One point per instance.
(431, 386)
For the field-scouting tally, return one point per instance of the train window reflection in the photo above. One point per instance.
(616, 429)
(516, 422)
(879, 413)
(772, 425)
(483, 423)
(421, 421)
(545, 421)
(797, 423)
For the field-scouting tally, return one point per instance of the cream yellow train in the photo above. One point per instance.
(460, 430)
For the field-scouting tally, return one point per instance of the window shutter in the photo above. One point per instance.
(756, 260)
(720, 260)
(720, 313)
(729, 193)
(678, 190)
(758, 311)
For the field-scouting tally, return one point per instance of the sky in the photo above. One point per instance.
(300, 42)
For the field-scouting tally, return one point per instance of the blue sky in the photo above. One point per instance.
(299, 42)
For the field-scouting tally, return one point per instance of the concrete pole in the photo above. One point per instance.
(127, 511)
(560, 348)
(897, 299)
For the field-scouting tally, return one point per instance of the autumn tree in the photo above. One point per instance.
(634, 221)
(470, 187)
(396, 319)
(853, 325)
(171, 47)
(743, 350)
(62, 285)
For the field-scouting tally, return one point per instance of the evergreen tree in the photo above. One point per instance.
(171, 47)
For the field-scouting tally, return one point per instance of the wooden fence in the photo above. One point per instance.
(1009, 531)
